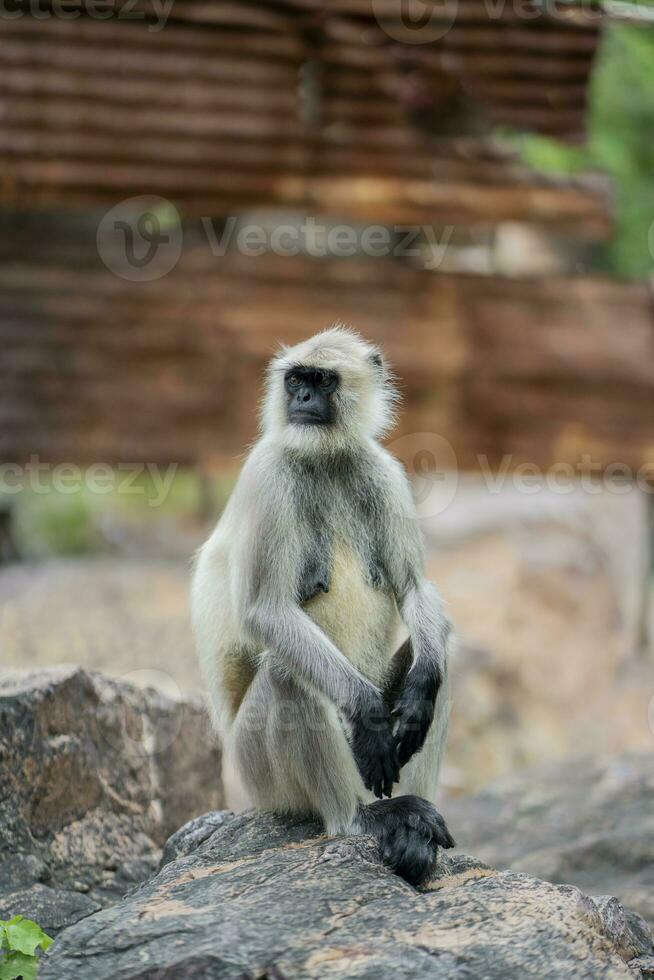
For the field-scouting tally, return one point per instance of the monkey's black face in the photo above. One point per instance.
(309, 392)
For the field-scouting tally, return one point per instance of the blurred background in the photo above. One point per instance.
(186, 184)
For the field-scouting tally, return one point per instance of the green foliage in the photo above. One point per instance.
(620, 143)
(52, 523)
(18, 966)
(19, 941)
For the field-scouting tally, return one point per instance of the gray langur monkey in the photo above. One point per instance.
(298, 599)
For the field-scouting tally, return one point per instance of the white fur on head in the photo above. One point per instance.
(364, 400)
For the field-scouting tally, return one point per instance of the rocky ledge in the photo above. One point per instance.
(260, 897)
(94, 776)
(586, 822)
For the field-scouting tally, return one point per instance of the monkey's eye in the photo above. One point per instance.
(293, 380)
(323, 379)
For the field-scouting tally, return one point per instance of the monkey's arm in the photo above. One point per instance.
(421, 608)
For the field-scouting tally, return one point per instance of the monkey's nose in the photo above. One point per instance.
(306, 395)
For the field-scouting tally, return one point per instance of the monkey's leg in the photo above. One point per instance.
(293, 755)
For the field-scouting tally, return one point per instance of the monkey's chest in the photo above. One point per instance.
(359, 617)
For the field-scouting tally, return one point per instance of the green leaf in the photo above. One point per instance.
(25, 936)
(15, 965)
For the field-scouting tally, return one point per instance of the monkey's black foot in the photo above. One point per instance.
(409, 830)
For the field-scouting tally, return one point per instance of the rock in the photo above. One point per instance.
(586, 822)
(266, 897)
(547, 593)
(192, 834)
(94, 776)
(643, 967)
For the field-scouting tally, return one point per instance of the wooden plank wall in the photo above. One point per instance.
(300, 103)
(94, 367)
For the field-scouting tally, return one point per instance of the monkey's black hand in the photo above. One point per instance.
(414, 709)
(373, 746)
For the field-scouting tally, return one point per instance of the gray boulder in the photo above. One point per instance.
(258, 896)
(586, 822)
(94, 776)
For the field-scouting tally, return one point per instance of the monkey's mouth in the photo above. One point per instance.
(308, 418)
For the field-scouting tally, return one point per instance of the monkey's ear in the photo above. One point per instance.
(376, 359)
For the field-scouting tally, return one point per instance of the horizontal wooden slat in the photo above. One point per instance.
(378, 200)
